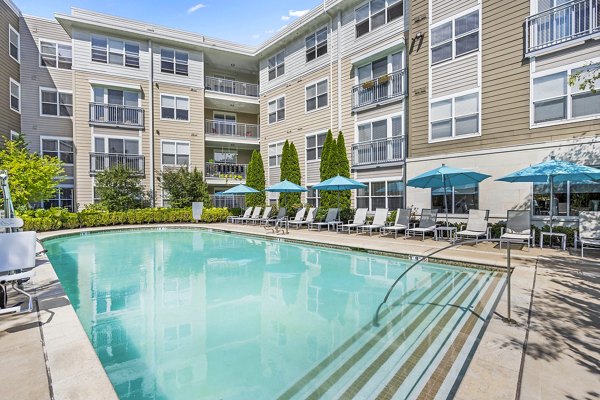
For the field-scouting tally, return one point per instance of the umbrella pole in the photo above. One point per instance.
(339, 213)
(445, 199)
(551, 201)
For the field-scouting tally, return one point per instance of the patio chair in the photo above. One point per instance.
(265, 217)
(236, 218)
(255, 215)
(518, 228)
(427, 224)
(477, 226)
(378, 221)
(589, 230)
(402, 223)
(281, 215)
(330, 218)
(310, 218)
(360, 216)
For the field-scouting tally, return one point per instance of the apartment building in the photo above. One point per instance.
(476, 84)
(10, 71)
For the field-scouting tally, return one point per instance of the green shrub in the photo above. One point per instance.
(213, 215)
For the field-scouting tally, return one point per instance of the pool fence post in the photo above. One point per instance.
(508, 274)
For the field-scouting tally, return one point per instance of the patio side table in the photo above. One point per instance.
(562, 236)
(450, 233)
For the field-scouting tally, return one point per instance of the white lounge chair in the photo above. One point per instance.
(329, 218)
(427, 224)
(401, 224)
(477, 226)
(255, 215)
(236, 218)
(310, 218)
(281, 216)
(589, 230)
(265, 217)
(378, 221)
(360, 216)
(518, 228)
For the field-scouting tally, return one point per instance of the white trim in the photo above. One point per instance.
(58, 93)
(11, 81)
(11, 29)
(115, 84)
(123, 52)
(226, 113)
(388, 118)
(284, 109)
(175, 141)
(14, 134)
(105, 137)
(59, 139)
(374, 54)
(55, 43)
(314, 33)
(315, 83)
(386, 22)
(452, 40)
(269, 144)
(174, 73)
(453, 117)
(315, 133)
(175, 96)
(276, 65)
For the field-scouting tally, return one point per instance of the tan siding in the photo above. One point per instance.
(579, 54)
(9, 68)
(442, 9)
(241, 118)
(455, 76)
(313, 172)
(380, 173)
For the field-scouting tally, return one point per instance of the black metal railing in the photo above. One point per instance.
(229, 172)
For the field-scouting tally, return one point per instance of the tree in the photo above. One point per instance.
(586, 78)
(31, 178)
(255, 178)
(184, 187)
(292, 174)
(327, 168)
(120, 189)
(343, 166)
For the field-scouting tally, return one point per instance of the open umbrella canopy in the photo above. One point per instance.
(446, 177)
(339, 183)
(239, 189)
(286, 187)
(559, 171)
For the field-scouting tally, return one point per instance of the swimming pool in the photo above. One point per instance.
(186, 314)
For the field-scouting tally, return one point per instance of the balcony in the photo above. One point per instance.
(378, 152)
(572, 22)
(231, 87)
(378, 91)
(233, 201)
(229, 173)
(231, 130)
(116, 115)
(102, 161)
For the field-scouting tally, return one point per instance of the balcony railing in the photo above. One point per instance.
(379, 90)
(102, 161)
(570, 21)
(231, 87)
(233, 201)
(230, 172)
(117, 115)
(376, 152)
(232, 130)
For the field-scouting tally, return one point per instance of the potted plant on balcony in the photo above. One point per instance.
(368, 85)
(382, 80)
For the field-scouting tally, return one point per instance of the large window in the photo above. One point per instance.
(455, 117)
(114, 51)
(275, 151)
(569, 198)
(109, 145)
(15, 95)
(56, 55)
(276, 65)
(14, 44)
(455, 38)
(312, 197)
(276, 110)
(59, 148)
(316, 44)
(380, 129)
(376, 13)
(63, 198)
(55, 103)
(459, 199)
(555, 100)
(316, 95)
(174, 62)
(175, 153)
(314, 146)
(174, 107)
(381, 194)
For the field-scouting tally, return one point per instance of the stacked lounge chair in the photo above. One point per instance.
(401, 224)
(427, 224)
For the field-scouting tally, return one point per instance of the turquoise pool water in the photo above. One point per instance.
(195, 314)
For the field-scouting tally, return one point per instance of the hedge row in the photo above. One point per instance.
(55, 219)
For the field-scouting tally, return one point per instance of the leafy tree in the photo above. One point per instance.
(184, 187)
(120, 189)
(586, 78)
(255, 179)
(32, 178)
(343, 166)
(292, 174)
(327, 169)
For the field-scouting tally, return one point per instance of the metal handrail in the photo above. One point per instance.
(378, 151)
(380, 89)
(231, 87)
(455, 244)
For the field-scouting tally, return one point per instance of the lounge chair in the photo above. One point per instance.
(265, 217)
(518, 228)
(255, 215)
(360, 216)
(589, 229)
(330, 218)
(310, 218)
(236, 218)
(281, 215)
(401, 224)
(377, 223)
(299, 215)
(427, 224)
(477, 226)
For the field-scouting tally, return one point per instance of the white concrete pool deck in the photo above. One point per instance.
(47, 354)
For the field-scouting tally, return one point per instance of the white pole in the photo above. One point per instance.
(551, 201)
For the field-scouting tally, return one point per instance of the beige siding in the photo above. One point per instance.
(313, 174)
(442, 9)
(455, 76)
(195, 77)
(396, 172)
(241, 118)
(579, 54)
(380, 112)
(9, 68)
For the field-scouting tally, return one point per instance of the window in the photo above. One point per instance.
(376, 13)
(55, 55)
(15, 95)
(312, 197)
(174, 62)
(227, 157)
(314, 146)
(382, 194)
(275, 151)
(14, 135)
(175, 153)
(14, 44)
(316, 44)
(114, 51)
(455, 38)
(455, 117)
(569, 198)
(63, 198)
(109, 145)
(60, 148)
(55, 103)
(373, 70)
(316, 95)
(174, 107)
(276, 65)
(459, 199)
(276, 110)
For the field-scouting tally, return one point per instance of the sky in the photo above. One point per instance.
(242, 21)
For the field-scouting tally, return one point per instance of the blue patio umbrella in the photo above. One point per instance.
(339, 183)
(551, 172)
(238, 189)
(286, 187)
(446, 177)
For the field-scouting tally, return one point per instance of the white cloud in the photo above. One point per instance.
(269, 31)
(255, 36)
(285, 17)
(298, 13)
(195, 8)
